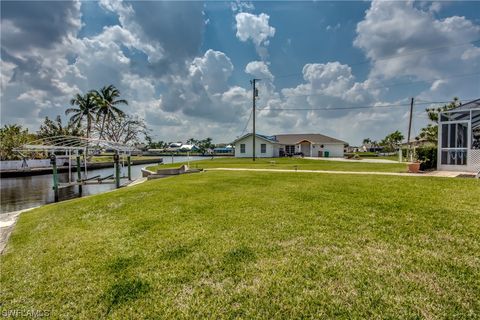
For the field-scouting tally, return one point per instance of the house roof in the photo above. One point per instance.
(312, 137)
(474, 104)
(260, 136)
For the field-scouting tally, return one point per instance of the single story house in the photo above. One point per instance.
(280, 145)
(228, 150)
(459, 138)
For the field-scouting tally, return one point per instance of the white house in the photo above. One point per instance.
(309, 145)
(459, 138)
(265, 146)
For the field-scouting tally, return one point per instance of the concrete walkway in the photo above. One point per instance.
(364, 160)
(438, 174)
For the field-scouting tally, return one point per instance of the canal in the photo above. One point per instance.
(26, 192)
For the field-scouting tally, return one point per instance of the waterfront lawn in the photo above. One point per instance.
(253, 245)
(289, 163)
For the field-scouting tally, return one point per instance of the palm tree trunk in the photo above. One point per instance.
(103, 125)
(88, 131)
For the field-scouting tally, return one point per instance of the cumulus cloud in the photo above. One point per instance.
(204, 92)
(31, 24)
(259, 69)
(403, 40)
(255, 28)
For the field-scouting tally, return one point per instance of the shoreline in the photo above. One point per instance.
(8, 220)
(61, 169)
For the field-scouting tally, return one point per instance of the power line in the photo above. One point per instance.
(359, 107)
(401, 83)
(393, 56)
(246, 124)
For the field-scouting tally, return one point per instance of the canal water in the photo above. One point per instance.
(27, 192)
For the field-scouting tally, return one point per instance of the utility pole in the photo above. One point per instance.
(254, 96)
(409, 131)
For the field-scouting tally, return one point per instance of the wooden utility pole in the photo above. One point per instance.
(410, 130)
(254, 96)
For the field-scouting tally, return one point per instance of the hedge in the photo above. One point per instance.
(428, 157)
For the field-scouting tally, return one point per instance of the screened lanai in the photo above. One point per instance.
(459, 138)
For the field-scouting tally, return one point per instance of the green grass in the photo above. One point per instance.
(289, 163)
(253, 245)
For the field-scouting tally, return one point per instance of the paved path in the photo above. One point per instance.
(364, 160)
(443, 174)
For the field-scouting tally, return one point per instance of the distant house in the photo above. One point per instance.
(280, 145)
(226, 150)
(459, 138)
(188, 147)
(369, 147)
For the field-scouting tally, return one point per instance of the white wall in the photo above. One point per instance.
(272, 149)
(17, 164)
(335, 149)
(32, 163)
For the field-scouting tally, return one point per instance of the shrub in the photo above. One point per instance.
(428, 157)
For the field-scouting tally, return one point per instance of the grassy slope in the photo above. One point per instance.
(290, 163)
(253, 245)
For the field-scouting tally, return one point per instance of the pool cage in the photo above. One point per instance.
(78, 151)
(459, 138)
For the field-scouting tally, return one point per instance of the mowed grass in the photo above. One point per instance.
(289, 163)
(253, 245)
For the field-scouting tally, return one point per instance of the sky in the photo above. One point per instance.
(343, 69)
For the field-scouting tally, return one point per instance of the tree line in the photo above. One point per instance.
(428, 134)
(95, 114)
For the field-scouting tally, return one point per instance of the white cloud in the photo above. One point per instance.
(333, 28)
(259, 69)
(255, 28)
(404, 40)
(241, 6)
(204, 91)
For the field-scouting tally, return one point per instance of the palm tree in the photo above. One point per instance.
(367, 141)
(107, 102)
(86, 106)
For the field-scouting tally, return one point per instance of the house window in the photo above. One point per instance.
(290, 149)
(475, 130)
(263, 148)
(242, 148)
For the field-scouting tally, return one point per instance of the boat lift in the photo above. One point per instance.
(81, 147)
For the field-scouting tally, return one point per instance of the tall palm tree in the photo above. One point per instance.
(107, 102)
(85, 110)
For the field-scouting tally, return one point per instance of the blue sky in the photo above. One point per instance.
(185, 67)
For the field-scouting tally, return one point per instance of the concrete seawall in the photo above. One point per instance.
(90, 166)
(167, 172)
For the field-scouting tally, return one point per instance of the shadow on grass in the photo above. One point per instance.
(124, 290)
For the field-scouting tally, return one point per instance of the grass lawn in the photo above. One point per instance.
(290, 163)
(253, 245)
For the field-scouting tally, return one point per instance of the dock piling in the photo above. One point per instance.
(79, 175)
(116, 161)
(53, 162)
(129, 168)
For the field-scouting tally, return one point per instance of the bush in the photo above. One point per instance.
(428, 157)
